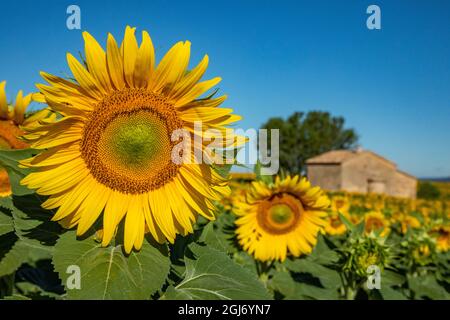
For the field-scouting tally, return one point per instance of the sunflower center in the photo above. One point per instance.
(373, 224)
(280, 214)
(136, 141)
(336, 222)
(126, 144)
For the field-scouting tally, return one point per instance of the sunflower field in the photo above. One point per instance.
(93, 205)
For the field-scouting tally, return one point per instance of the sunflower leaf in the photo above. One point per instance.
(9, 160)
(107, 273)
(350, 226)
(13, 256)
(6, 223)
(213, 237)
(322, 254)
(283, 283)
(211, 274)
(33, 223)
(32, 226)
(329, 278)
(427, 287)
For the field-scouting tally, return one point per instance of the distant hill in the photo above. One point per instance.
(436, 179)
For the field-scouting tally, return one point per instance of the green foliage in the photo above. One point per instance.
(9, 160)
(426, 286)
(310, 277)
(211, 274)
(107, 273)
(37, 257)
(305, 136)
(427, 190)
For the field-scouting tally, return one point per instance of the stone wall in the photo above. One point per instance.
(402, 185)
(363, 173)
(327, 176)
(366, 173)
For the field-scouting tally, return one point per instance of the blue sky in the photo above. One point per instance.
(276, 57)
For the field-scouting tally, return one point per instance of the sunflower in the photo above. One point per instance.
(334, 225)
(408, 222)
(340, 204)
(109, 156)
(421, 252)
(442, 235)
(12, 119)
(284, 216)
(375, 221)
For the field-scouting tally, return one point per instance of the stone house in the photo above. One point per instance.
(359, 171)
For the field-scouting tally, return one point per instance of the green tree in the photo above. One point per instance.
(303, 136)
(428, 191)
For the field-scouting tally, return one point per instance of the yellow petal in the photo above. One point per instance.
(92, 207)
(115, 63)
(115, 210)
(129, 51)
(96, 61)
(3, 101)
(171, 68)
(197, 91)
(84, 78)
(188, 82)
(145, 62)
(132, 224)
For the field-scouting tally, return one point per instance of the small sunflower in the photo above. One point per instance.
(12, 118)
(408, 222)
(442, 236)
(375, 221)
(109, 156)
(284, 216)
(340, 204)
(335, 226)
(421, 252)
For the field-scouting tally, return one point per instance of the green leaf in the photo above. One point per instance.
(9, 160)
(245, 260)
(329, 278)
(35, 292)
(350, 226)
(427, 286)
(14, 258)
(212, 275)
(292, 290)
(283, 283)
(268, 179)
(389, 293)
(214, 237)
(16, 297)
(32, 226)
(107, 273)
(223, 170)
(32, 222)
(6, 223)
(307, 291)
(391, 278)
(322, 254)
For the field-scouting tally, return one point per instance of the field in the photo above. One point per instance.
(370, 247)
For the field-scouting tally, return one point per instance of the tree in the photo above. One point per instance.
(428, 191)
(305, 136)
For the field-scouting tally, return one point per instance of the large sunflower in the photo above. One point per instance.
(281, 217)
(12, 118)
(111, 151)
